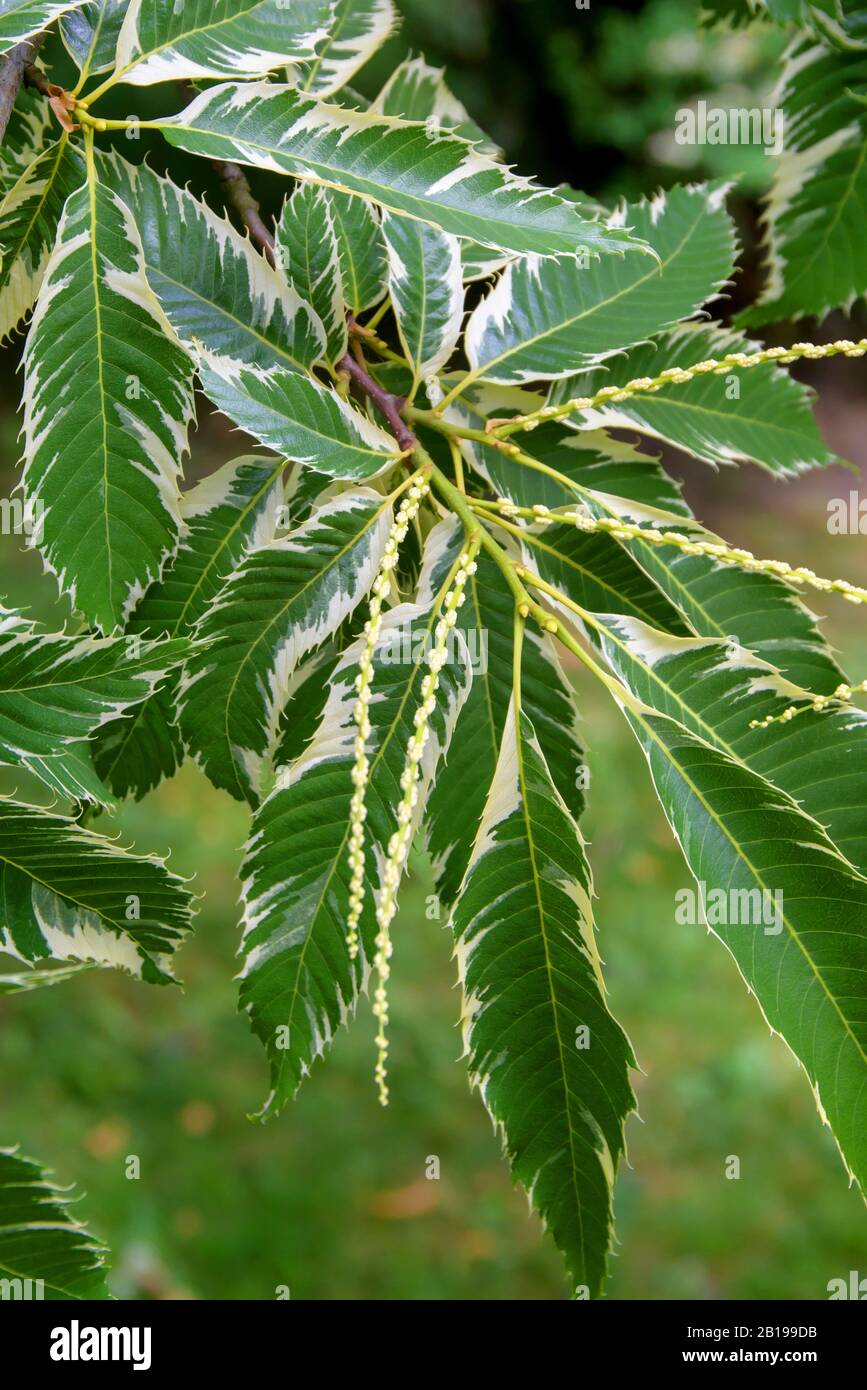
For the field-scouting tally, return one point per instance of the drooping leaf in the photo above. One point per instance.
(437, 178)
(162, 41)
(309, 257)
(716, 688)
(544, 318)
(756, 415)
(42, 1245)
(356, 29)
(550, 1062)
(282, 601)
(21, 19)
(91, 34)
(29, 214)
(72, 775)
(70, 895)
(426, 288)
(107, 404)
(298, 983)
(232, 509)
(457, 801)
(802, 949)
(56, 690)
(814, 214)
(215, 289)
(298, 418)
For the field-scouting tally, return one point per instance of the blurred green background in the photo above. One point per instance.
(331, 1199)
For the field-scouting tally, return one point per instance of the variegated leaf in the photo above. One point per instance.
(436, 177)
(758, 415)
(27, 981)
(215, 289)
(544, 318)
(21, 19)
(427, 293)
(45, 1251)
(70, 895)
(356, 29)
(361, 250)
(282, 601)
(298, 982)
(163, 41)
(29, 214)
(57, 690)
(107, 404)
(236, 508)
(717, 688)
(91, 33)
(814, 214)
(298, 418)
(457, 801)
(418, 92)
(27, 133)
(787, 905)
(550, 1062)
(309, 255)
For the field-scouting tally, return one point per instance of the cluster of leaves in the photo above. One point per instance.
(416, 294)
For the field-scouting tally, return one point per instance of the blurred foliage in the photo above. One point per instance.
(331, 1199)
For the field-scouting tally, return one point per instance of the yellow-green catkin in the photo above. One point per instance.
(399, 844)
(679, 376)
(817, 704)
(690, 545)
(382, 587)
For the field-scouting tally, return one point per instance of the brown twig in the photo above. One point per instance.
(12, 69)
(239, 194)
(388, 405)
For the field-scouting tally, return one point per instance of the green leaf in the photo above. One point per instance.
(29, 214)
(215, 289)
(427, 293)
(545, 318)
(282, 601)
(361, 250)
(297, 973)
(91, 33)
(308, 253)
(532, 981)
(298, 418)
(107, 404)
(418, 92)
(758, 415)
(57, 690)
(457, 801)
(398, 164)
(70, 895)
(162, 41)
(803, 949)
(41, 1242)
(231, 510)
(21, 19)
(356, 29)
(815, 212)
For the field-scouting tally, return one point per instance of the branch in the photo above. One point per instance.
(388, 405)
(239, 194)
(12, 67)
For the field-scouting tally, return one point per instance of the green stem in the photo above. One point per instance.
(526, 605)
